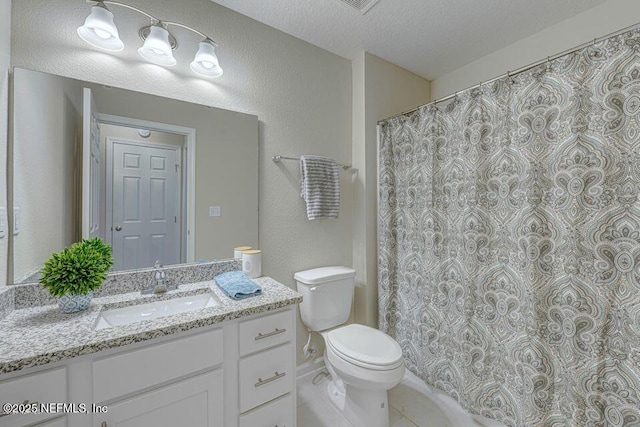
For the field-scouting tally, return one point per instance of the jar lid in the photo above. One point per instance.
(242, 248)
(253, 252)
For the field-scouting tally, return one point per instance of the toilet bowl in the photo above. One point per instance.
(363, 362)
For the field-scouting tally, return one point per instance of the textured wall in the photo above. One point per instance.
(5, 44)
(381, 89)
(597, 22)
(300, 93)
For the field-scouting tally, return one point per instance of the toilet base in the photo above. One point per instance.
(336, 395)
(366, 408)
(362, 408)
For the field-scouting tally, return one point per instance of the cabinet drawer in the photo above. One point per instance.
(135, 370)
(264, 332)
(196, 402)
(42, 387)
(265, 376)
(277, 413)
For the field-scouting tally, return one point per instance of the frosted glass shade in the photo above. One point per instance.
(100, 31)
(156, 48)
(206, 62)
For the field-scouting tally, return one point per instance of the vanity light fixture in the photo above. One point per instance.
(99, 30)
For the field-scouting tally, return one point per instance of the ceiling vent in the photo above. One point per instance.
(362, 5)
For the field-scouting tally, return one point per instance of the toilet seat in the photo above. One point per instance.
(365, 347)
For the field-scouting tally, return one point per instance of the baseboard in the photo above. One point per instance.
(308, 368)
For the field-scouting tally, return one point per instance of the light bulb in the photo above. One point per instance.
(102, 33)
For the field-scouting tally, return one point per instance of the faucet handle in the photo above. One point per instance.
(159, 274)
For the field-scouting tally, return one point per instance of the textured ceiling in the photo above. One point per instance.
(428, 37)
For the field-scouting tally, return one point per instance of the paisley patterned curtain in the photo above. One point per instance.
(509, 241)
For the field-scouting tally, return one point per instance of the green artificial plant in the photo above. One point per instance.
(78, 269)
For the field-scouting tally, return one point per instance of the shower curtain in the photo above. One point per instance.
(509, 241)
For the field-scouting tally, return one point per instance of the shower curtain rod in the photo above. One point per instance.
(518, 70)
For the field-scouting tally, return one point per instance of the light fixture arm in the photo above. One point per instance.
(155, 20)
(186, 27)
(125, 6)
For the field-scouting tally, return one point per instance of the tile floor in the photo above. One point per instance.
(411, 404)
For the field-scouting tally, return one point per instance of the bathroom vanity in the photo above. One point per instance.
(229, 364)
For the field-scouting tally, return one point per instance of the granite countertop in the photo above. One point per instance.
(39, 335)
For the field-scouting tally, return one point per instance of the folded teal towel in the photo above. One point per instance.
(237, 285)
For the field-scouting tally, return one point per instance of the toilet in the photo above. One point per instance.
(363, 362)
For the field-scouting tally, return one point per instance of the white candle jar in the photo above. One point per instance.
(252, 263)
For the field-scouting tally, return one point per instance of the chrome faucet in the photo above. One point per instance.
(160, 284)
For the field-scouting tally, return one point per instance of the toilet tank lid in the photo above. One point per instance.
(316, 276)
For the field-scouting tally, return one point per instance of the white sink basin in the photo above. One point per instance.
(154, 310)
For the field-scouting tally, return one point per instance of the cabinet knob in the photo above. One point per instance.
(118, 228)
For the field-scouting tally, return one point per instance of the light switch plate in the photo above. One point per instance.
(3, 222)
(16, 221)
(214, 210)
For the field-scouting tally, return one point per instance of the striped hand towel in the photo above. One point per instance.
(320, 186)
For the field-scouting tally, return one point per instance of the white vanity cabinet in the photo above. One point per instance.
(239, 373)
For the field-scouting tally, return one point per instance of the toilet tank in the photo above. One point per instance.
(327, 293)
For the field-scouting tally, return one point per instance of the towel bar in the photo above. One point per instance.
(277, 158)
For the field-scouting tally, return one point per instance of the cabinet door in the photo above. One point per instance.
(196, 402)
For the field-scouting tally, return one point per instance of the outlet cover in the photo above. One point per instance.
(214, 210)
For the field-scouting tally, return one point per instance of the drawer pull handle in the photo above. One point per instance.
(104, 424)
(26, 402)
(270, 334)
(262, 382)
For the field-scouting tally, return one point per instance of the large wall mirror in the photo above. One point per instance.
(158, 179)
